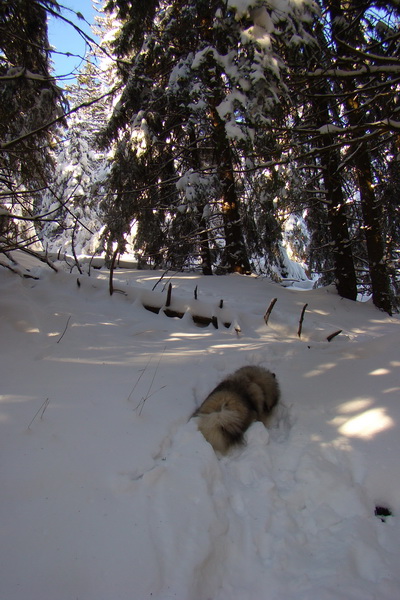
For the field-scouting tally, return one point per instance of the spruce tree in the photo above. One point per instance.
(348, 119)
(200, 82)
(29, 101)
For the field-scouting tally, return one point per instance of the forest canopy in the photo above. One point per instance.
(243, 136)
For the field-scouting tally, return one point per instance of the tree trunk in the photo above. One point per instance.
(371, 210)
(235, 255)
(205, 253)
(345, 275)
(372, 216)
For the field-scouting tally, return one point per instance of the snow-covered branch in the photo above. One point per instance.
(4, 146)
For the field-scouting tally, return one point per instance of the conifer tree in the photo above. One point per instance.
(29, 101)
(201, 79)
(29, 93)
(76, 191)
(74, 194)
(350, 91)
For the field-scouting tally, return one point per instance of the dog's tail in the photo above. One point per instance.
(223, 426)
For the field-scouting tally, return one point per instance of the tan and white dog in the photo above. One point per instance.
(249, 394)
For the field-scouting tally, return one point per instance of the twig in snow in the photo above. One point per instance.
(65, 330)
(139, 378)
(269, 310)
(41, 411)
(301, 320)
(143, 400)
(148, 395)
(161, 278)
(334, 334)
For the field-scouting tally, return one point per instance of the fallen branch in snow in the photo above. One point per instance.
(205, 321)
(17, 271)
(151, 308)
(334, 334)
(269, 310)
(301, 320)
(43, 258)
(169, 311)
(42, 408)
(173, 313)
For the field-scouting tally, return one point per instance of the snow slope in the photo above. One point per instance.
(108, 491)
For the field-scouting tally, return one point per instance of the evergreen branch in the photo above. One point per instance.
(86, 37)
(5, 146)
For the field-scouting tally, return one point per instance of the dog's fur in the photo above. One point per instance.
(249, 394)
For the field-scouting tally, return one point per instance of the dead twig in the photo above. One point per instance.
(65, 330)
(148, 395)
(41, 411)
(161, 278)
(139, 378)
(333, 335)
(269, 310)
(40, 257)
(143, 400)
(301, 320)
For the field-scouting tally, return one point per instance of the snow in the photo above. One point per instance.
(110, 492)
(330, 128)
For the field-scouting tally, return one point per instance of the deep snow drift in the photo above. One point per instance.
(109, 492)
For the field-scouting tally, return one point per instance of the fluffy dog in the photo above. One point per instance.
(249, 394)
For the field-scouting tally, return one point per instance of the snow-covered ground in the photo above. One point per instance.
(108, 491)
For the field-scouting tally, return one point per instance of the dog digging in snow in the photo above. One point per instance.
(247, 395)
